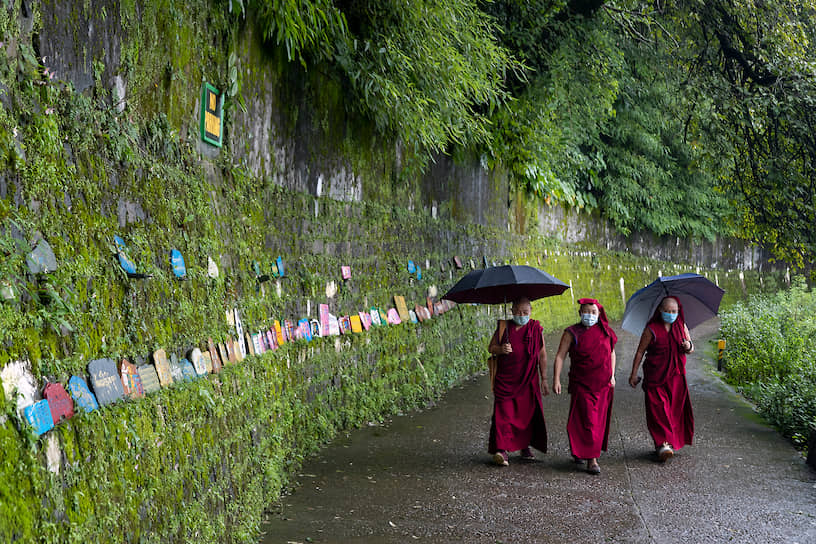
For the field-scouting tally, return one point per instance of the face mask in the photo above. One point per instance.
(589, 319)
(521, 319)
(668, 317)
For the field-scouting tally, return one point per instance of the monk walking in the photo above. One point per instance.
(518, 414)
(591, 347)
(666, 341)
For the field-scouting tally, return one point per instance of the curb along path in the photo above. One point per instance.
(426, 477)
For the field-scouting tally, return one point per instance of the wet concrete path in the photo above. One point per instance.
(426, 477)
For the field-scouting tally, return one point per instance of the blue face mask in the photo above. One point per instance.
(521, 320)
(668, 317)
(589, 319)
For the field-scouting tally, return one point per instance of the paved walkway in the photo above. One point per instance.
(426, 477)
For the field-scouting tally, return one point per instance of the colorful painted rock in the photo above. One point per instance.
(216, 358)
(239, 329)
(324, 319)
(212, 268)
(271, 339)
(175, 368)
(411, 267)
(162, 367)
(188, 371)
(59, 402)
(356, 323)
(314, 325)
(207, 361)
(236, 347)
(345, 271)
(131, 382)
(289, 329)
(419, 273)
(279, 264)
(279, 333)
(334, 325)
(412, 316)
(375, 317)
(105, 380)
(38, 416)
(223, 353)
(383, 316)
(345, 324)
(365, 319)
(457, 262)
(177, 262)
(150, 379)
(250, 344)
(19, 384)
(392, 317)
(81, 394)
(199, 364)
(402, 308)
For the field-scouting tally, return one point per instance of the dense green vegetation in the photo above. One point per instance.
(771, 355)
(693, 119)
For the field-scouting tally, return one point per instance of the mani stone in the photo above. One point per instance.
(216, 359)
(39, 416)
(105, 380)
(187, 370)
(150, 379)
(81, 394)
(199, 364)
(175, 368)
(62, 407)
(131, 382)
(207, 361)
(162, 367)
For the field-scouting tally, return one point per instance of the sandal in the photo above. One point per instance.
(500, 458)
(527, 454)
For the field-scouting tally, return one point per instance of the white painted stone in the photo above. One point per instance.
(53, 453)
(17, 377)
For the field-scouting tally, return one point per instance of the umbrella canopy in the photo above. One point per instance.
(500, 284)
(699, 296)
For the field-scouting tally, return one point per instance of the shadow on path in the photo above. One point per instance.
(426, 477)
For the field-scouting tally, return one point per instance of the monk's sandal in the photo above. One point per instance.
(500, 458)
(665, 452)
(527, 454)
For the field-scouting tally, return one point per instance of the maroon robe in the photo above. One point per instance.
(591, 394)
(518, 414)
(669, 417)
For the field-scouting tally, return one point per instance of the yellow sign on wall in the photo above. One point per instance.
(212, 120)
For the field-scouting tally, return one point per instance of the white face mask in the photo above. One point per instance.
(521, 319)
(589, 319)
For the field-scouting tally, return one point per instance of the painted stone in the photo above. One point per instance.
(314, 325)
(41, 259)
(212, 268)
(345, 324)
(206, 360)
(239, 330)
(356, 323)
(59, 402)
(412, 316)
(236, 347)
(83, 398)
(383, 316)
(411, 267)
(259, 343)
(223, 353)
(18, 381)
(279, 333)
(289, 330)
(105, 380)
(250, 344)
(305, 329)
(271, 339)
(279, 264)
(200, 366)
(177, 262)
(334, 325)
(38, 416)
(162, 367)
(402, 308)
(375, 317)
(365, 319)
(457, 262)
(175, 368)
(324, 319)
(214, 357)
(392, 317)
(419, 273)
(150, 379)
(345, 272)
(131, 382)
(418, 313)
(188, 371)
(430, 305)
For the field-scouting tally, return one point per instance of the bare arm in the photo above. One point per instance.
(645, 340)
(495, 348)
(563, 347)
(688, 345)
(614, 359)
(542, 367)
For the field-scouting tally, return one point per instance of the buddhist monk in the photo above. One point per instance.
(518, 414)
(666, 341)
(591, 347)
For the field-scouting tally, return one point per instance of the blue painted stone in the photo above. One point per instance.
(39, 416)
(81, 394)
(306, 329)
(105, 380)
(126, 264)
(419, 273)
(178, 263)
(279, 263)
(411, 267)
(188, 370)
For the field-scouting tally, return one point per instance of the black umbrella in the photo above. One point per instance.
(500, 284)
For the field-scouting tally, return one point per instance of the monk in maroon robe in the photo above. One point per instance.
(666, 340)
(591, 347)
(518, 414)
